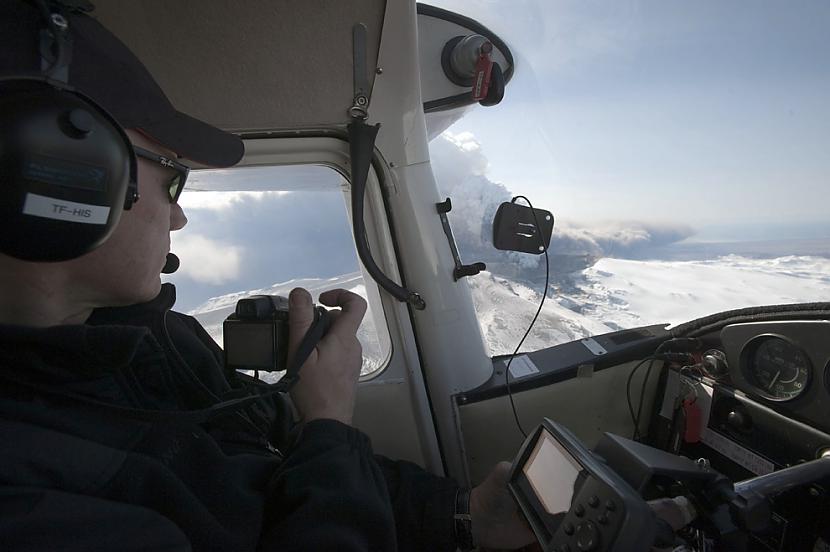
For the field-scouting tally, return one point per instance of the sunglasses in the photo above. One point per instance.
(176, 183)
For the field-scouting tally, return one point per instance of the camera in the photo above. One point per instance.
(256, 334)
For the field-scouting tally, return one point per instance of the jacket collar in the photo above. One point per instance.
(111, 339)
(140, 312)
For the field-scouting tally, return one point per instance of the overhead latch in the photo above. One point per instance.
(461, 270)
(483, 72)
(468, 61)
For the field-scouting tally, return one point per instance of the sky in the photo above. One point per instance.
(715, 113)
(639, 124)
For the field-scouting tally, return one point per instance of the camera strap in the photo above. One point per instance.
(315, 333)
(198, 416)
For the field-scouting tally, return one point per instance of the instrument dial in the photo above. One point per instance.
(778, 369)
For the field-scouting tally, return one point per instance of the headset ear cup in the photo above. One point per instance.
(66, 170)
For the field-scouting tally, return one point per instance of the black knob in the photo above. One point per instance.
(579, 510)
(81, 121)
(593, 502)
(714, 363)
(568, 528)
(738, 419)
(610, 505)
(587, 536)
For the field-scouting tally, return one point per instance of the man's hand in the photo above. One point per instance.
(497, 522)
(328, 378)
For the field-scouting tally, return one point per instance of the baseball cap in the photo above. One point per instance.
(104, 69)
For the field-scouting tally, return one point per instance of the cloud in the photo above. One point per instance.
(616, 239)
(460, 170)
(460, 167)
(260, 241)
(205, 260)
(197, 199)
(286, 178)
(271, 236)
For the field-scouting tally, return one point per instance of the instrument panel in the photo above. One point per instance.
(785, 365)
(777, 368)
(768, 385)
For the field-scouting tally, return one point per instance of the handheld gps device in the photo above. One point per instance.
(573, 501)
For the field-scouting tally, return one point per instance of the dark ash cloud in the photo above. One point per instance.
(460, 168)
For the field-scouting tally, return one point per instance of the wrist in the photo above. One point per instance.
(463, 521)
(327, 416)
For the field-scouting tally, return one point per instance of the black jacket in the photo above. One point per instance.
(87, 462)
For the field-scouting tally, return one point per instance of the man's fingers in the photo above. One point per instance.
(300, 317)
(353, 308)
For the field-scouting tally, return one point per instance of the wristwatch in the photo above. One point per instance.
(463, 521)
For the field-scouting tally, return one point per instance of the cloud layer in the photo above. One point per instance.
(460, 167)
(206, 260)
(248, 240)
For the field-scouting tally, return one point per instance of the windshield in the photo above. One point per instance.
(283, 227)
(682, 147)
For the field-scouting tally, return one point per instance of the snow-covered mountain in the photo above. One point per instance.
(626, 293)
(506, 307)
(612, 294)
(604, 276)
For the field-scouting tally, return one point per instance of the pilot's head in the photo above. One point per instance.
(125, 268)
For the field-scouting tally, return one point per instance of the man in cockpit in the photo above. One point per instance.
(102, 385)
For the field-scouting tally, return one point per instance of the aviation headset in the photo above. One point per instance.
(67, 168)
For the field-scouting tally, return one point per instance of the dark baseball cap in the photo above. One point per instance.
(104, 69)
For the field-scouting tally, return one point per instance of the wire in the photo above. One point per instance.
(635, 417)
(658, 355)
(642, 397)
(541, 304)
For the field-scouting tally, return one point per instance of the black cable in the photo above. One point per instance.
(659, 354)
(642, 397)
(634, 417)
(541, 304)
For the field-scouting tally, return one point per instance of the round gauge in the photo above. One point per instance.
(778, 369)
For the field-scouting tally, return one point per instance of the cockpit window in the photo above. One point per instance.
(681, 147)
(288, 229)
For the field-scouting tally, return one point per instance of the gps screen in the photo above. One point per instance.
(552, 473)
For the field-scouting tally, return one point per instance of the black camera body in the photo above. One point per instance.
(256, 335)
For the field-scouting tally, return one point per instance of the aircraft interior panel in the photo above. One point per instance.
(588, 403)
(747, 399)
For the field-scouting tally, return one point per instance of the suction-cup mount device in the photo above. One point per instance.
(467, 61)
(523, 229)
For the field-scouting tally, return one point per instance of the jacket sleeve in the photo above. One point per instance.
(329, 494)
(46, 520)
(424, 505)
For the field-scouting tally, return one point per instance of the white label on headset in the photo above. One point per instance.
(60, 209)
